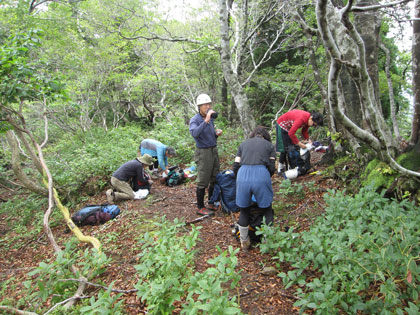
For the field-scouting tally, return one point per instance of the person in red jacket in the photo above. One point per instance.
(289, 123)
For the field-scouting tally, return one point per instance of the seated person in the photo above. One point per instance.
(125, 174)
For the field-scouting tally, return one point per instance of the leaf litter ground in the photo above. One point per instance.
(258, 293)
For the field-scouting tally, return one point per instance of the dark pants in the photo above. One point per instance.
(208, 167)
(253, 216)
(155, 164)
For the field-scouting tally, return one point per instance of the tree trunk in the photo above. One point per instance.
(415, 129)
(232, 79)
(368, 25)
(391, 93)
(17, 169)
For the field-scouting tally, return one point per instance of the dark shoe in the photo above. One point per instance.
(211, 207)
(204, 211)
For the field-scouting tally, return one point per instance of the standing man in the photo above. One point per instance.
(127, 173)
(289, 123)
(206, 156)
(159, 152)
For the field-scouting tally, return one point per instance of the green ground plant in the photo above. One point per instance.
(49, 278)
(166, 270)
(362, 255)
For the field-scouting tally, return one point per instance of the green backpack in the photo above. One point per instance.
(175, 177)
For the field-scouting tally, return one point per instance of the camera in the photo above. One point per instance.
(214, 115)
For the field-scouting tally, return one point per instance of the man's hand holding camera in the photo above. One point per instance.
(210, 114)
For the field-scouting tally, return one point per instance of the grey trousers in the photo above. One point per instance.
(123, 189)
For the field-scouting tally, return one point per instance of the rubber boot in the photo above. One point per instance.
(211, 206)
(200, 197)
(210, 192)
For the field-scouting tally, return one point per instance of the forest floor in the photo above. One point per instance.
(258, 293)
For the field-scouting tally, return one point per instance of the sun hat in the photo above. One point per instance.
(146, 159)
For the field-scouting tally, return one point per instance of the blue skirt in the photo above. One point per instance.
(253, 180)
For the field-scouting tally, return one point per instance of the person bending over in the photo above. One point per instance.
(254, 165)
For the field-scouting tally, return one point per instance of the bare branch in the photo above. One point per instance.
(378, 6)
(99, 286)
(73, 298)
(15, 310)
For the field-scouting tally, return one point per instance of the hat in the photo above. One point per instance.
(146, 159)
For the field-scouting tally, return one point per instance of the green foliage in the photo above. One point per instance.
(50, 278)
(22, 77)
(361, 256)
(105, 304)
(166, 273)
(24, 217)
(378, 175)
(206, 292)
(291, 189)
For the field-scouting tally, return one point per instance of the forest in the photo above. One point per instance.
(83, 82)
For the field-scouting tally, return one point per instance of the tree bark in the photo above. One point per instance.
(17, 169)
(415, 128)
(391, 93)
(346, 48)
(238, 92)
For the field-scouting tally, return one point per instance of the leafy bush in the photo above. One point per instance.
(361, 256)
(49, 276)
(166, 272)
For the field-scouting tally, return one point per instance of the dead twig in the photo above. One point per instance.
(290, 296)
(66, 301)
(198, 219)
(301, 206)
(99, 286)
(159, 200)
(15, 310)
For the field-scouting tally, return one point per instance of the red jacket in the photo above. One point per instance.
(292, 121)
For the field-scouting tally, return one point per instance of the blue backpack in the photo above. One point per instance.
(95, 214)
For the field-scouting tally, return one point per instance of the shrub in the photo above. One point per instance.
(166, 273)
(361, 256)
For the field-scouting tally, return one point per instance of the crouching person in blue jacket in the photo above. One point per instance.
(254, 166)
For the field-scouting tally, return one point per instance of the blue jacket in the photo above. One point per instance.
(204, 133)
(156, 149)
(225, 191)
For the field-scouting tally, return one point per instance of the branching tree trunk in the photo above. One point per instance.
(17, 168)
(238, 93)
(346, 49)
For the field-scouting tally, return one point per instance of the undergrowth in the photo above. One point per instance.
(166, 271)
(168, 279)
(361, 256)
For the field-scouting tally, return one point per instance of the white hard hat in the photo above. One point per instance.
(203, 99)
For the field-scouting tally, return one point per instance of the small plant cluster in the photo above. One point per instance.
(168, 279)
(362, 256)
(52, 280)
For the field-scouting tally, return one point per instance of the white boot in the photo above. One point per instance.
(245, 241)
